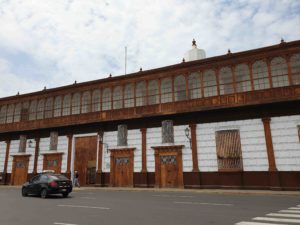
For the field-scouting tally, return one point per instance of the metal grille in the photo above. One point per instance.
(168, 159)
(229, 150)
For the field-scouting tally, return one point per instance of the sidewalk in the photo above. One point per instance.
(174, 190)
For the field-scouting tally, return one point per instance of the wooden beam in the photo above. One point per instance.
(269, 144)
(144, 149)
(194, 147)
(36, 154)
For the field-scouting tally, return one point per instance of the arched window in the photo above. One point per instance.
(106, 99)
(179, 88)
(242, 78)
(295, 68)
(260, 75)
(49, 108)
(118, 98)
(10, 113)
(166, 90)
(210, 83)
(96, 101)
(194, 86)
(153, 95)
(129, 96)
(86, 102)
(40, 109)
(32, 110)
(3, 114)
(279, 72)
(57, 106)
(67, 105)
(17, 114)
(226, 81)
(140, 94)
(76, 103)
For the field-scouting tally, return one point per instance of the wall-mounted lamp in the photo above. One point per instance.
(187, 134)
(31, 144)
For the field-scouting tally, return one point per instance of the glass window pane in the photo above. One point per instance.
(49, 108)
(279, 72)
(76, 103)
(3, 114)
(40, 109)
(118, 98)
(210, 83)
(242, 78)
(85, 102)
(153, 94)
(106, 99)
(57, 106)
(166, 90)
(226, 81)
(295, 68)
(96, 101)
(10, 113)
(179, 88)
(260, 75)
(17, 114)
(129, 96)
(194, 86)
(140, 94)
(67, 105)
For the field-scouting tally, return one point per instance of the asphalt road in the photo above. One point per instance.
(102, 207)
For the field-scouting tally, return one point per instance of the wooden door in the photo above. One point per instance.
(20, 170)
(85, 159)
(52, 162)
(169, 171)
(122, 172)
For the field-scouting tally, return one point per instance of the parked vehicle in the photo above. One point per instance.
(47, 184)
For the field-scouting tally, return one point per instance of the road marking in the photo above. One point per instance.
(202, 203)
(174, 196)
(87, 198)
(289, 211)
(257, 223)
(284, 215)
(294, 208)
(64, 224)
(83, 206)
(277, 220)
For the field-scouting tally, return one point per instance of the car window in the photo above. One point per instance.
(44, 178)
(35, 179)
(58, 177)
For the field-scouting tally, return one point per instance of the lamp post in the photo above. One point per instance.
(187, 134)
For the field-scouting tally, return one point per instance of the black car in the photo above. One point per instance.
(46, 184)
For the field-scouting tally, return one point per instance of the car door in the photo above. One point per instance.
(32, 184)
(41, 182)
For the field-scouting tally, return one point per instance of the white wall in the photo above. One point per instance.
(153, 139)
(44, 147)
(2, 155)
(14, 148)
(135, 140)
(62, 146)
(30, 151)
(286, 142)
(110, 138)
(181, 139)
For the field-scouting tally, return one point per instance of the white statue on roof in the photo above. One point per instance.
(195, 53)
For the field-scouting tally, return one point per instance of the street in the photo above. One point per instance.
(113, 207)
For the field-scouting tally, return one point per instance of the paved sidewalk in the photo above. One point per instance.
(200, 191)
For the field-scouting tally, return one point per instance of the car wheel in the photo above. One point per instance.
(65, 194)
(24, 192)
(44, 193)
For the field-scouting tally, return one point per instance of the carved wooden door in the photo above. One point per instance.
(20, 170)
(85, 155)
(169, 171)
(52, 162)
(122, 172)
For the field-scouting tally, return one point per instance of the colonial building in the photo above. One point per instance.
(226, 121)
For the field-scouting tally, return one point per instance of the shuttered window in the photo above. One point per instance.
(229, 151)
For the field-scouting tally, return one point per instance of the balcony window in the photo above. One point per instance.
(86, 102)
(3, 114)
(67, 105)
(194, 86)
(179, 88)
(57, 106)
(17, 113)
(166, 90)
(153, 94)
(118, 98)
(10, 113)
(226, 81)
(279, 72)
(40, 109)
(106, 99)
(76, 103)
(295, 68)
(242, 78)
(140, 94)
(210, 83)
(260, 75)
(96, 101)
(129, 96)
(32, 110)
(49, 108)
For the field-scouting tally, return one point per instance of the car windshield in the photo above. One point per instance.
(58, 177)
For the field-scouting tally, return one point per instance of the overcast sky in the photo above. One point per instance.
(55, 42)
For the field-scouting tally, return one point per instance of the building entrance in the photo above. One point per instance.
(20, 169)
(85, 159)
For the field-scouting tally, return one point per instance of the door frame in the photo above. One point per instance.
(26, 158)
(168, 150)
(121, 152)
